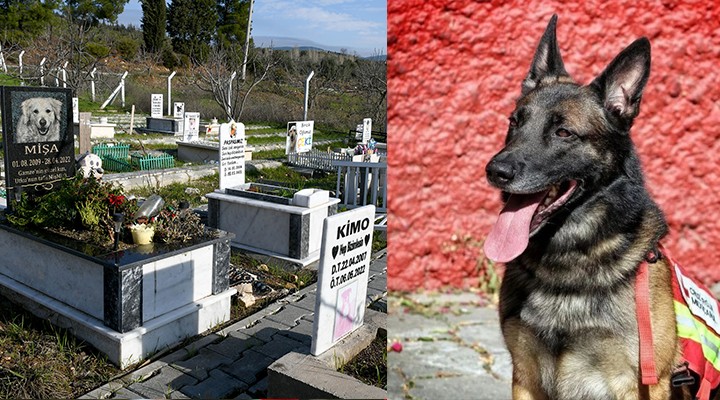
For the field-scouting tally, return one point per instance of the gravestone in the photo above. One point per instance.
(178, 110)
(38, 137)
(305, 136)
(367, 130)
(156, 106)
(342, 276)
(299, 137)
(232, 154)
(191, 127)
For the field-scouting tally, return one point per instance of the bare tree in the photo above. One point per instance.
(64, 47)
(218, 76)
(372, 81)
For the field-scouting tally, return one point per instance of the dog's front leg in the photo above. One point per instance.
(526, 352)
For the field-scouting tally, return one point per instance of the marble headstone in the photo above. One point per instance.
(342, 276)
(156, 106)
(191, 126)
(38, 137)
(367, 130)
(178, 110)
(232, 154)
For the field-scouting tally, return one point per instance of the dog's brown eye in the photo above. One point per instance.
(563, 133)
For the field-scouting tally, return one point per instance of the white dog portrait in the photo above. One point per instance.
(39, 121)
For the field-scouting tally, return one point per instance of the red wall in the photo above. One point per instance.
(454, 72)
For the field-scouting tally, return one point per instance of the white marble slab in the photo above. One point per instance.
(176, 281)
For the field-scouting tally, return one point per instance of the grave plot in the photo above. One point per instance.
(264, 222)
(340, 331)
(66, 259)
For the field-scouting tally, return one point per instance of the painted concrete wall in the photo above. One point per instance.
(454, 72)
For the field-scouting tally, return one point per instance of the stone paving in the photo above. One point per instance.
(232, 363)
(452, 348)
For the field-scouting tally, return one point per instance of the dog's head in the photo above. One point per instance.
(41, 113)
(564, 140)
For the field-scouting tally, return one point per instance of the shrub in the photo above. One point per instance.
(169, 59)
(97, 50)
(127, 48)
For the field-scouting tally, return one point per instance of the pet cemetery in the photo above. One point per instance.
(136, 275)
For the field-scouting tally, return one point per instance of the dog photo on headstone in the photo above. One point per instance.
(38, 139)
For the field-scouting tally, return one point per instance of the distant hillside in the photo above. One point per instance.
(301, 48)
(382, 57)
(288, 43)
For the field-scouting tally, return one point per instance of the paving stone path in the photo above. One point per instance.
(232, 363)
(452, 348)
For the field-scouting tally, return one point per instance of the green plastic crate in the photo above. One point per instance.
(146, 162)
(118, 151)
(116, 165)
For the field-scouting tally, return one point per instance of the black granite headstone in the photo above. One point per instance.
(38, 137)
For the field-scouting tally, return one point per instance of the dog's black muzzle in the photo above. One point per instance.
(500, 171)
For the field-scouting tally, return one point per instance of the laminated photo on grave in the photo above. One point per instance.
(39, 142)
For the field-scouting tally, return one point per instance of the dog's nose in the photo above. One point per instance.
(500, 172)
(43, 122)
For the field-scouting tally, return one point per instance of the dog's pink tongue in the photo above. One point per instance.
(510, 235)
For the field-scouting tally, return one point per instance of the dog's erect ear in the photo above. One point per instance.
(621, 84)
(547, 61)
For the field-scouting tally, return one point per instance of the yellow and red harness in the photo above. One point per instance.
(697, 315)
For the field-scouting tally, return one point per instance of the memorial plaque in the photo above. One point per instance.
(38, 139)
(156, 106)
(178, 110)
(367, 130)
(342, 276)
(191, 127)
(232, 154)
(299, 136)
(305, 136)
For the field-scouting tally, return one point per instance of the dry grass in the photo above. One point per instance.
(38, 360)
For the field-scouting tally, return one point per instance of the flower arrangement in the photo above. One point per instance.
(76, 204)
(84, 208)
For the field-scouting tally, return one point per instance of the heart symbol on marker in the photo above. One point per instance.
(334, 251)
(367, 239)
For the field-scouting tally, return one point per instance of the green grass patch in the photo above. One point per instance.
(85, 104)
(292, 179)
(275, 154)
(191, 192)
(7, 80)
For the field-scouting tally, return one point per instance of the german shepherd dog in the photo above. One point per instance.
(576, 224)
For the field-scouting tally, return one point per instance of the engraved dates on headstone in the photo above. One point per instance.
(342, 276)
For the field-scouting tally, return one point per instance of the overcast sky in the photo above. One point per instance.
(360, 26)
